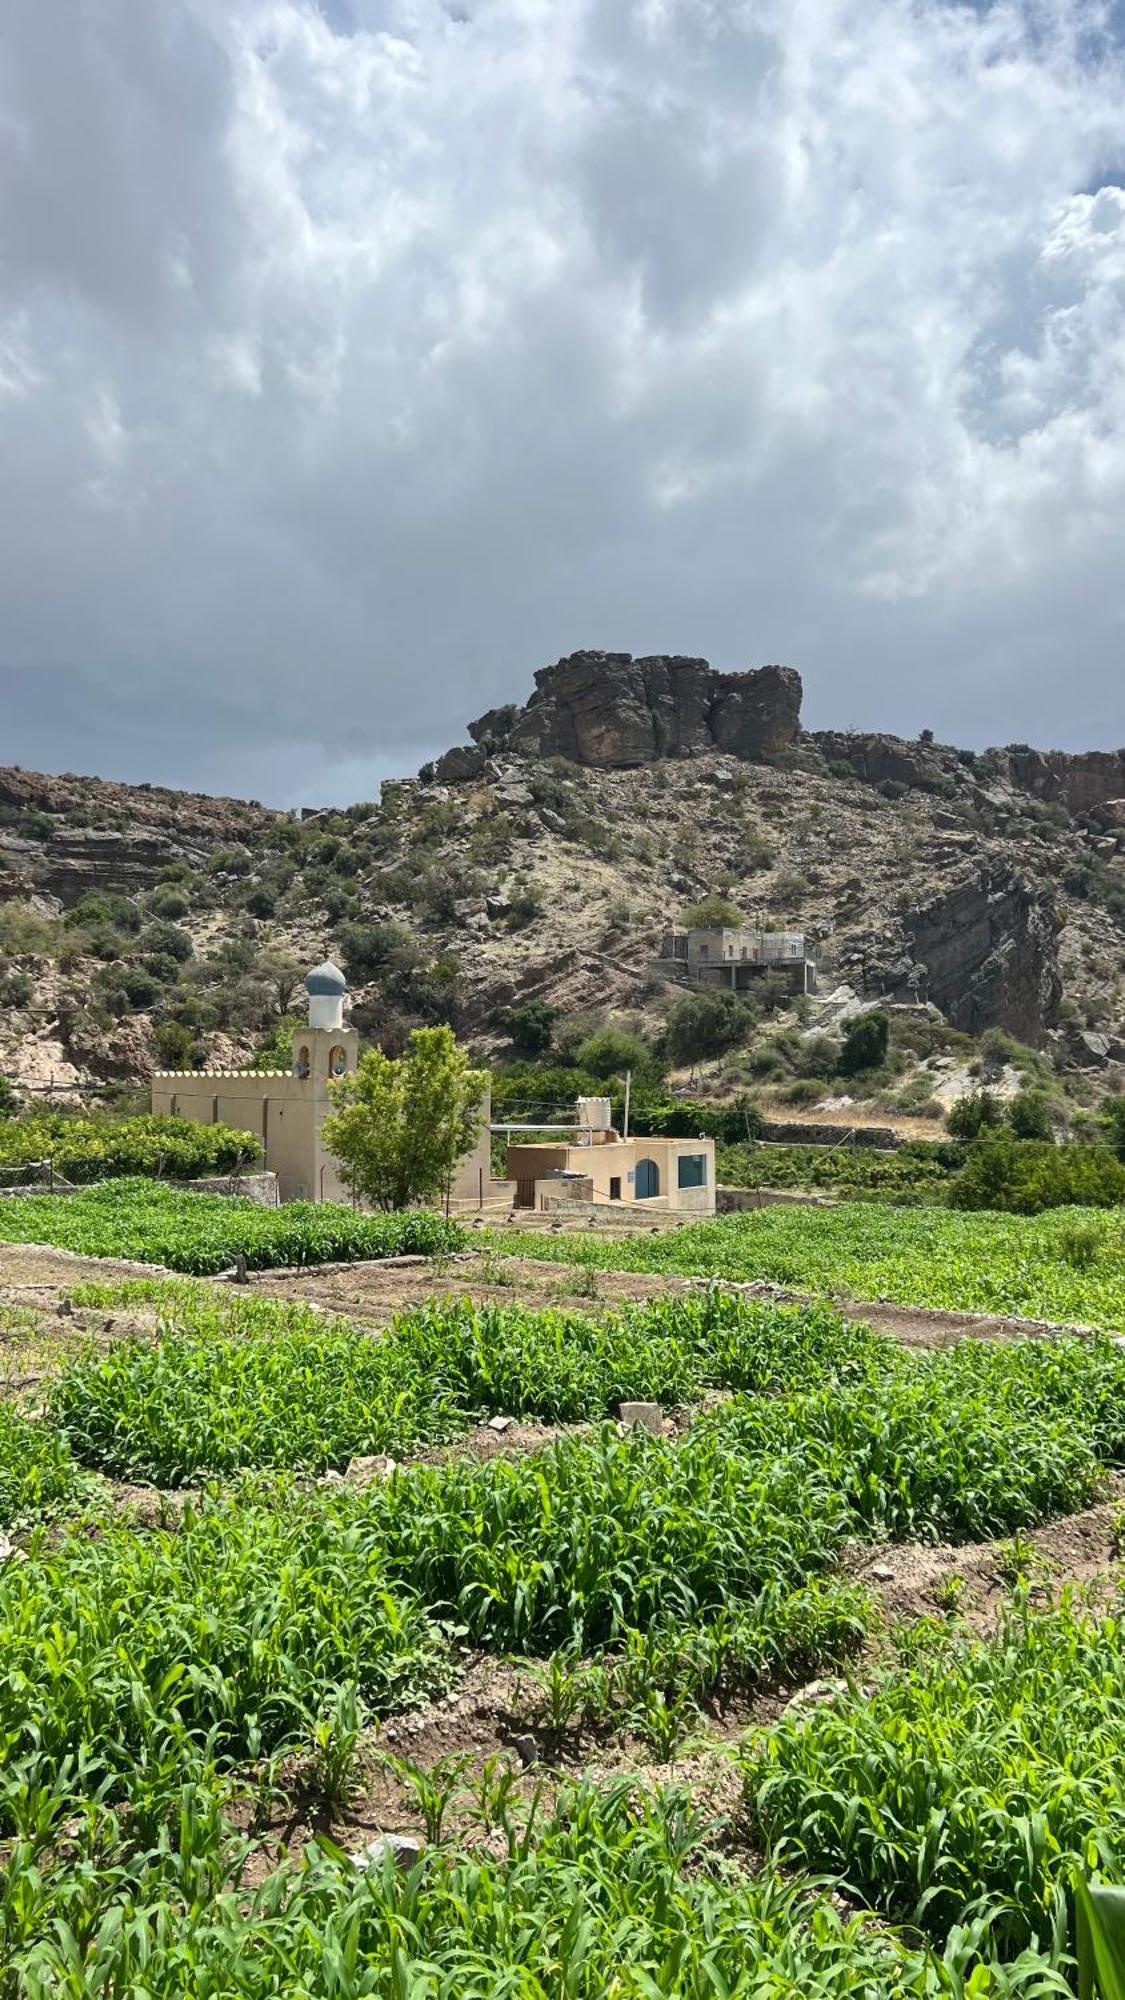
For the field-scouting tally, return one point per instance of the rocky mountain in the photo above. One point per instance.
(542, 861)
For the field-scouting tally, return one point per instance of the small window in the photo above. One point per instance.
(301, 1061)
(703, 950)
(692, 1170)
(615, 1187)
(337, 1061)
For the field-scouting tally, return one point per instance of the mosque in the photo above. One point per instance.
(286, 1109)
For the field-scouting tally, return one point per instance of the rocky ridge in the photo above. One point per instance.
(544, 859)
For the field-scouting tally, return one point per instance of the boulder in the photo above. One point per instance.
(456, 766)
(614, 711)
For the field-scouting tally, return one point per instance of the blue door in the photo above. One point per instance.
(647, 1182)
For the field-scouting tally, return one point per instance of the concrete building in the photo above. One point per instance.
(737, 958)
(286, 1109)
(599, 1168)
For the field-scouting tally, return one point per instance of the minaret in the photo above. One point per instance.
(326, 1048)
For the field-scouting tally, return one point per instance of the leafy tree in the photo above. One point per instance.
(1025, 1176)
(714, 913)
(1029, 1115)
(609, 1052)
(366, 950)
(865, 1043)
(9, 1103)
(398, 1128)
(705, 1024)
(176, 1046)
(531, 1026)
(168, 939)
(972, 1115)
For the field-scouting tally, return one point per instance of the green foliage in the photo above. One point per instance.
(398, 1128)
(369, 950)
(1113, 1117)
(204, 1233)
(609, 1053)
(1030, 1115)
(253, 1382)
(714, 913)
(972, 1115)
(168, 940)
(9, 1101)
(531, 1026)
(992, 1263)
(963, 1791)
(17, 989)
(222, 1636)
(98, 1149)
(1025, 1176)
(864, 1044)
(38, 1476)
(615, 1890)
(705, 1024)
(917, 1172)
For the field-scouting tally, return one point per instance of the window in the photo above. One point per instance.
(337, 1061)
(692, 1170)
(301, 1061)
(615, 1187)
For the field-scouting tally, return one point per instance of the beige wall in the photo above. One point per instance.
(618, 1160)
(286, 1113)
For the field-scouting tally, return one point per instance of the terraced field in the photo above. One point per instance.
(1067, 1265)
(273, 1582)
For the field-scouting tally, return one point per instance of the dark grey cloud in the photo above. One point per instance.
(358, 358)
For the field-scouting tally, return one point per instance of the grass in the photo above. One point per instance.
(977, 1262)
(151, 1223)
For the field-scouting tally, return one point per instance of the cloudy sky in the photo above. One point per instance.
(358, 358)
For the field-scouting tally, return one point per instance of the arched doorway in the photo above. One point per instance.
(647, 1180)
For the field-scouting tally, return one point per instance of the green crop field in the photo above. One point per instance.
(167, 1683)
(1067, 1265)
(151, 1223)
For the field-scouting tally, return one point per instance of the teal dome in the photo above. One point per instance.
(325, 982)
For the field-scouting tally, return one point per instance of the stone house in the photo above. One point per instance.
(736, 958)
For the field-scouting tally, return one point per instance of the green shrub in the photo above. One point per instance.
(531, 1025)
(864, 1044)
(974, 1114)
(1025, 1176)
(93, 1149)
(705, 1024)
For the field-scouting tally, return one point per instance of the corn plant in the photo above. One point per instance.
(200, 1233)
(962, 1792)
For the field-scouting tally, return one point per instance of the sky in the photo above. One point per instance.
(359, 358)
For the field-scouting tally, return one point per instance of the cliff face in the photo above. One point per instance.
(62, 837)
(984, 950)
(612, 711)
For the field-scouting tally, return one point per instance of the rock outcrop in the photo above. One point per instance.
(984, 951)
(1079, 780)
(612, 711)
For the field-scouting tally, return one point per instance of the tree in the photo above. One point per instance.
(1029, 1115)
(972, 1115)
(705, 1024)
(398, 1128)
(9, 1103)
(714, 913)
(531, 1027)
(609, 1052)
(865, 1043)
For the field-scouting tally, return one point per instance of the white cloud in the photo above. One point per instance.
(356, 360)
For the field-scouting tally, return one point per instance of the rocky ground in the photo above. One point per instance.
(545, 859)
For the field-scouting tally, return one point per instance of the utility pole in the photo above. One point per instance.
(628, 1094)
